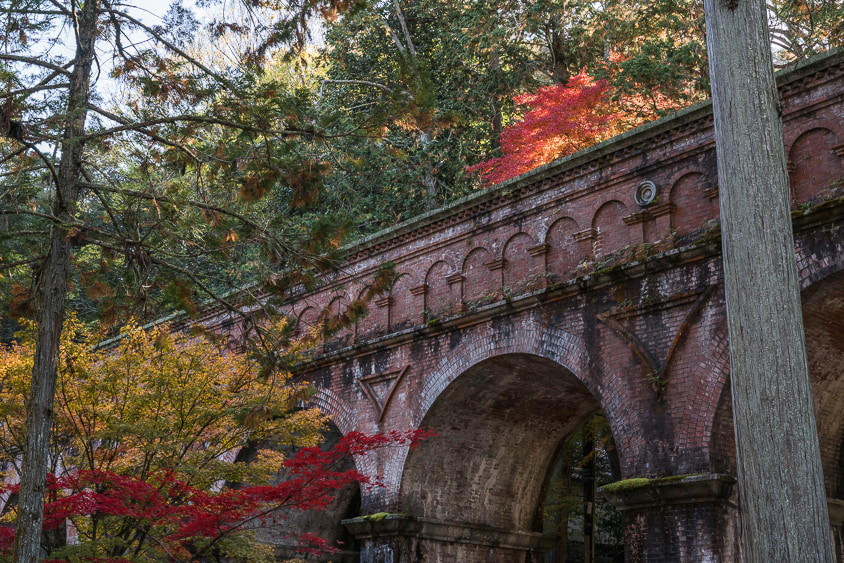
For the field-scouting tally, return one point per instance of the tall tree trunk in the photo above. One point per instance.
(781, 488)
(564, 469)
(51, 299)
(495, 104)
(589, 491)
(557, 46)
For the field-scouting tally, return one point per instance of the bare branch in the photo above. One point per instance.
(52, 218)
(141, 125)
(393, 34)
(157, 37)
(34, 89)
(22, 262)
(404, 29)
(34, 62)
(12, 155)
(141, 129)
(61, 8)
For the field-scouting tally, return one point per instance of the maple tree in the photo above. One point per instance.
(150, 428)
(561, 119)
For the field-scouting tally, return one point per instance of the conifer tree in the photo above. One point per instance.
(780, 478)
(180, 215)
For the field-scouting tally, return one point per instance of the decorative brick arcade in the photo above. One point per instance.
(593, 283)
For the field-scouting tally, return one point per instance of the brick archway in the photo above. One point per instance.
(537, 337)
(500, 425)
(823, 317)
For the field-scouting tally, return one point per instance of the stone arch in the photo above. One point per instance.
(439, 299)
(329, 403)
(345, 419)
(510, 399)
(522, 271)
(823, 318)
(822, 298)
(480, 283)
(325, 523)
(611, 233)
(814, 166)
(533, 338)
(693, 207)
(818, 259)
(722, 443)
(499, 426)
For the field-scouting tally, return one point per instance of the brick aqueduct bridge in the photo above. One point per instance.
(526, 308)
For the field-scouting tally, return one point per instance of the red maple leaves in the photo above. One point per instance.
(178, 522)
(562, 119)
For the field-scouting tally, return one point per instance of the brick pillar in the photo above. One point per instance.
(401, 538)
(684, 519)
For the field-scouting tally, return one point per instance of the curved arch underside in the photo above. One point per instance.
(499, 426)
(823, 318)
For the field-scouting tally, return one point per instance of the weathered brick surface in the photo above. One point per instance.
(522, 310)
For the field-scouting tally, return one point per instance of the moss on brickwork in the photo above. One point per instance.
(641, 482)
(377, 517)
(627, 485)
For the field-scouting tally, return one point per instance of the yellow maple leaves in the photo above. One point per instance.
(153, 399)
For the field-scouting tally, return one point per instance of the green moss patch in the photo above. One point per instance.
(377, 517)
(627, 485)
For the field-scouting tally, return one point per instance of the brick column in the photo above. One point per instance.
(401, 538)
(683, 519)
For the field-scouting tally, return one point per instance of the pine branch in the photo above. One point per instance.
(32, 90)
(35, 62)
(22, 262)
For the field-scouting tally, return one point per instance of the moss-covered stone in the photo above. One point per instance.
(640, 482)
(377, 517)
(627, 484)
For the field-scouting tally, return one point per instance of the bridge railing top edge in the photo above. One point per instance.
(695, 112)
(618, 143)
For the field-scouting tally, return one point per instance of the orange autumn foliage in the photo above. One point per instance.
(562, 119)
(565, 118)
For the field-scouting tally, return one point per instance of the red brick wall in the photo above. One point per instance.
(515, 359)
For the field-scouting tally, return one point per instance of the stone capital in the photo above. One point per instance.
(647, 494)
(405, 525)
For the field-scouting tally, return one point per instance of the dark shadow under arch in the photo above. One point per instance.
(823, 319)
(499, 427)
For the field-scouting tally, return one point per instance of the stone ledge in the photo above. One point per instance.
(646, 494)
(405, 525)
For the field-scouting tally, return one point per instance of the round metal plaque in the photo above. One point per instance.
(646, 193)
